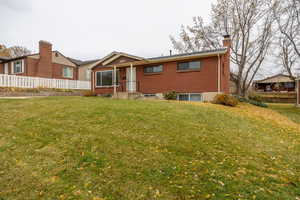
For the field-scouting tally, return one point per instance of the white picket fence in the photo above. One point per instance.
(36, 82)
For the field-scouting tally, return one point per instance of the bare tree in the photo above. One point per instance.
(4, 51)
(288, 56)
(17, 51)
(287, 15)
(250, 25)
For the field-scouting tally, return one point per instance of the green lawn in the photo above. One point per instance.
(94, 148)
(288, 110)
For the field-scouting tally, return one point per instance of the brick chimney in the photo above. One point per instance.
(226, 65)
(45, 62)
(227, 41)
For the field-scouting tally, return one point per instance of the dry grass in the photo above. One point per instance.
(94, 148)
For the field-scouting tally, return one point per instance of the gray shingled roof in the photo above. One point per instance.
(4, 58)
(89, 61)
(189, 54)
(80, 62)
(76, 61)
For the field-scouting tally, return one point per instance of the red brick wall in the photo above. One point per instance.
(57, 70)
(1, 68)
(31, 66)
(225, 75)
(203, 80)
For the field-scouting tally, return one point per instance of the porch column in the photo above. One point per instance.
(115, 80)
(131, 77)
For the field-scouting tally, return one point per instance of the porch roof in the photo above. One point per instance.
(279, 78)
(176, 57)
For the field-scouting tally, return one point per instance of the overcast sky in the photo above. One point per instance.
(89, 29)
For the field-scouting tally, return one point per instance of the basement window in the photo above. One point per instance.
(18, 67)
(189, 97)
(149, 95)
(68, 72)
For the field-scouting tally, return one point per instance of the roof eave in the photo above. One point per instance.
(179, 58)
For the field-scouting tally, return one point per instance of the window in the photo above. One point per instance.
(105, 78)
(149, 95)
(17, 67)
(195, 97)
(153, 69)
(88, 74)
(189, 65)
(183, 97)
(289, 85)
(189, 97)
(68, 72)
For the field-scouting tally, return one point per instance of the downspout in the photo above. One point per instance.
(219, 74)
(131, 77)
(298, 92)
(115, 80)
(93, 76)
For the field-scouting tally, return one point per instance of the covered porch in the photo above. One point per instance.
(125, 80)
(275, 87)
(278, 83)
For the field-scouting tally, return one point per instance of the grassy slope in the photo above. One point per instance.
(288, 110)
(92, 148)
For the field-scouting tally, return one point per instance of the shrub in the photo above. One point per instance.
(225, 99)
(89, 94)
(255, 97)
(252, 101)
(258, 103)
(172, 95)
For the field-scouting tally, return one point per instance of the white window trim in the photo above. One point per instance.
(72, 76)
(189, 96)
(106, 86)
(13, 67)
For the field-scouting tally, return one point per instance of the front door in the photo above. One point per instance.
(6, 68)
(131, 79)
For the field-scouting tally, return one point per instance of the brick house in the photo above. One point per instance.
(45, 64)
(194, 76)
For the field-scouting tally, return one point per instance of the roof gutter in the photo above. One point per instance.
(179, 58)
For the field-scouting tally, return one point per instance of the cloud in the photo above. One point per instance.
(16, 5)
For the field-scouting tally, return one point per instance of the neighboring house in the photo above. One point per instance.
(45, 64)
(194, 76)
(84, 68)
(277, 83)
